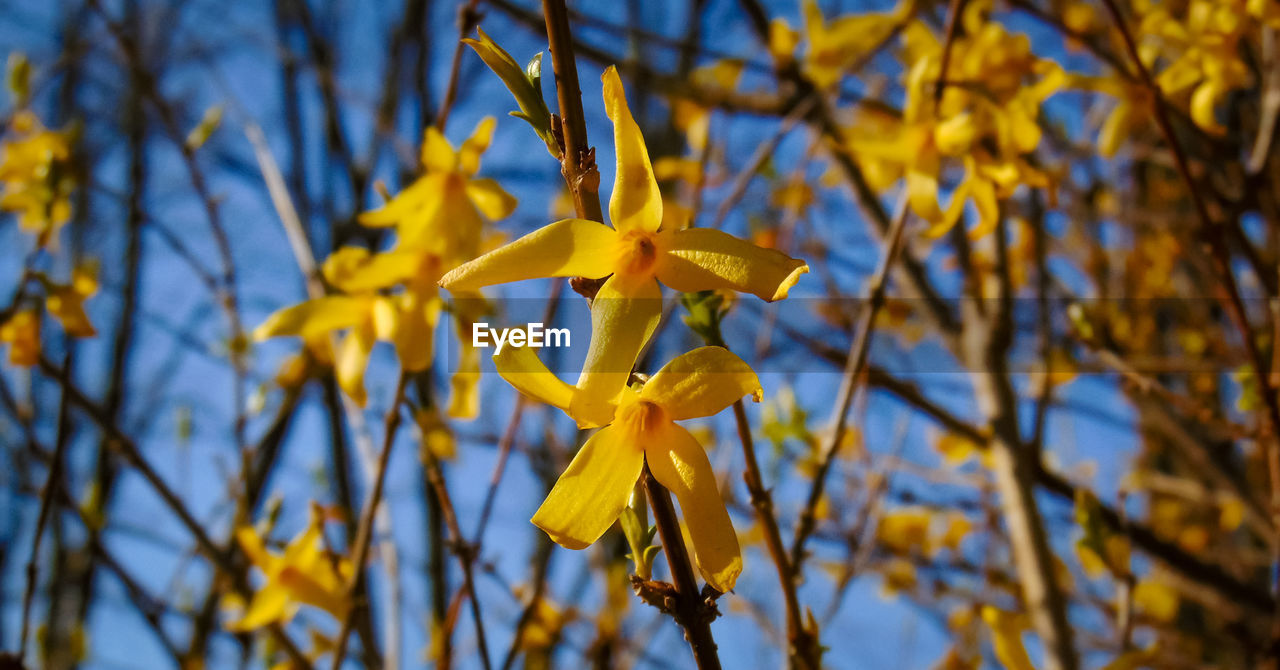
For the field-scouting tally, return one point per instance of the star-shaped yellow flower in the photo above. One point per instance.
(66, 301)
(635, 254)
(406, 319)
(22, 333)
(305, 574)
(592, 492)
(35, 171)
(442, 211)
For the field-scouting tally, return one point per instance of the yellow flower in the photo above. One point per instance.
(35, 171)
(1006, 634)
(593, 491)
(987, 114)
(22, 332)
(441, 212)
(66, 302)
(407, 319)
(305, 574)
(837, 45)
(638, 253)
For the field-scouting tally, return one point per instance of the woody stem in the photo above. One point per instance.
(689, 609)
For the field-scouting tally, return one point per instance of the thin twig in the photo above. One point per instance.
(855, 363)
(364, 532)
(689, 609)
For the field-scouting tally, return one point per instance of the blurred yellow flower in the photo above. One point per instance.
(22, 333)
(304, 574)
(36, 173)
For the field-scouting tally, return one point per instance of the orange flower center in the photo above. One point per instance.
(640, 416)
(638, 253)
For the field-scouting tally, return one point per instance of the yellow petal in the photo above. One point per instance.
(474, 146)
(303, 587)
(251, 543)
(701, 383)
(624, 315)
(490, 198)
(522, 368)
(636, 201)
(437, 153)
(922, 194)
(464, 385)
(591, 493)
(1006, 636)
(700, 259)
(983, 193)
(355, 270)
(314, 317)
(67, 306)
(269, 605)
(568, 248)
(1115, 129)
(679, 463)
(353, 357)
(414, 331)
(22, 332)
(412, 201)
(1203, 101)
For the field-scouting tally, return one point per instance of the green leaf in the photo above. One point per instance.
(524, 83)
(19, 78)
(204, 130)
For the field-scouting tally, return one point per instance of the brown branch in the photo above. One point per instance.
(855, 364)
(364, 532)
(1220, 257)
(468, 19)
(128, 450)
(578, 164)
(686, 605)
(47, 494)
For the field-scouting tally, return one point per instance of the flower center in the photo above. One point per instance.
(640, 416)
(638, 253)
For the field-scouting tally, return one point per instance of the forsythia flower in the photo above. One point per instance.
(22, 333)
(35, 171)
(66, 302)
(441, 212)
(406, 319)
(638, 252)
(835, 46)
(303, 574)
(1205, 53)
(439, 221)
(1006, 635)
(593, 491)
(986, 114)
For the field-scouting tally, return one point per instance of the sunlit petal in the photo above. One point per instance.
(623, 317)
(591, 493)
(353, 357)
(314, 317)
(269, 605)
(700, 259)
(636, 202)
(474, 146)
(437, 153)
(522, 368)
(491, 199)
(568, 248)
(679, 463)
(701, 383)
